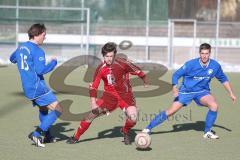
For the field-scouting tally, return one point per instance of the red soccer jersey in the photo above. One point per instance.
(115, 76)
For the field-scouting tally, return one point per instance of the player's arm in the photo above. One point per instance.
(13, 58)
(176, 76)
(228, 87)
(135, 70)
(40, 63)
(224, 80)
(93, 87)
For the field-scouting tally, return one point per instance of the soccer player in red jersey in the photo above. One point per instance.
(114, 72)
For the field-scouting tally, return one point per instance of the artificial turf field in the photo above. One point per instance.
(179, 138)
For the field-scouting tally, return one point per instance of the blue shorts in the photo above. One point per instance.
(186, 98)
(44, 100)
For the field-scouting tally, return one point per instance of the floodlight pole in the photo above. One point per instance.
(88, 30)
(170, 43)
(17, 23)
(147, 31)
(217, 28)
(81, 30)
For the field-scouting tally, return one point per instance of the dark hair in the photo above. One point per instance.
(36, 30)
(109, 47)
(205, 46)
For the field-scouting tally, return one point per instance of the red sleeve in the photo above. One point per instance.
(96, 81)
(133, 69)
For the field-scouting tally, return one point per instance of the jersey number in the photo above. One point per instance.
(110, 79)
(24, 64)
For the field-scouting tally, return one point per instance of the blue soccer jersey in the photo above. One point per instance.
(196, 77)
(31, 62)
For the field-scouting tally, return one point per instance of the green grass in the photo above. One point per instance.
(179, 138)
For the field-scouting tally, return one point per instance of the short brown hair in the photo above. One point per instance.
(36, 30)
(109, 47)
(205, 46)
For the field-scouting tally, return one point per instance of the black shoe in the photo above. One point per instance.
(71, 140)
(126, 139)
(49, 139)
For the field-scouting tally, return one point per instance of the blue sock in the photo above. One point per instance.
(210, 120)
(42, 114)
(36, 134)
(49, 120)
(160, 118)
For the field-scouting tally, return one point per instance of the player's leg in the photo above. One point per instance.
(131, 120)
(48, 138)
(50, 102)
(126, 101)
(50, 118)
(84, 124)
(209, 101)
(43, 112)
(105, 101)
(180, 101)
(162, 116)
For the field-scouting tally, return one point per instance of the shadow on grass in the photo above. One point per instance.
(144, 150)
(3, 66)
(197, 126)
(57, 130)
(115, 132)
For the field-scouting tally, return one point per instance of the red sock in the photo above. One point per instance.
(81, 129)
(128, 125)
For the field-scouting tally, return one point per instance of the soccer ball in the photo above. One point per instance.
(142, 140)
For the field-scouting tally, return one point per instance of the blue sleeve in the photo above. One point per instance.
(178, 74)
(221, 76)
(40, 63)
(13, 58)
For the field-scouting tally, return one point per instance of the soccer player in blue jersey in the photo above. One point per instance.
(197, 74)
(31, 63)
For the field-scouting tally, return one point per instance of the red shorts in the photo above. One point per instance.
(112, 100)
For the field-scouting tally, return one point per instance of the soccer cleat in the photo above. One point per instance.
(36, 140)
(145, 130)
(71, 140)
(210, 135)
(126, 137)
(49, 139)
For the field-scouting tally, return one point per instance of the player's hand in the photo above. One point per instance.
(93, 103)
(94, 106)
(175, 91)
(233, 97)
(145, 85)
(54, 58)
(145, 81)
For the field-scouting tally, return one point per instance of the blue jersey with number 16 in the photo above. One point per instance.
(31, 62)
(196, 76)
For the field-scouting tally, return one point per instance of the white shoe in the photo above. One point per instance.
(36, 140)
(210, 135)
(145, 130)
